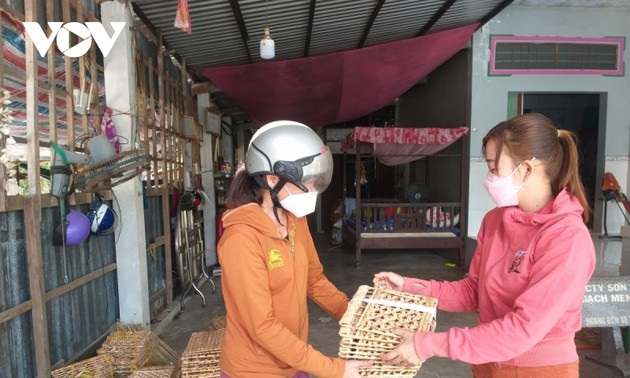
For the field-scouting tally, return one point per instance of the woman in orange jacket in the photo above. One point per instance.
(269, 262)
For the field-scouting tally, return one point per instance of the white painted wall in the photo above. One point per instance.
(490, 94)
(207, 182)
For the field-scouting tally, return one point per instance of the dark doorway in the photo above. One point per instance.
(578, 113)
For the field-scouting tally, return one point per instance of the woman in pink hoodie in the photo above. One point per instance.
(533, 259)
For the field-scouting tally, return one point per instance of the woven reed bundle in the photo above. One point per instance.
(366, 327)
(382, 370)
(170, 371)
(201, 356)
(131, 350)
(94, 367)
(219, 322)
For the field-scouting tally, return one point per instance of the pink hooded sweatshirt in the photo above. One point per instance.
(527, 280)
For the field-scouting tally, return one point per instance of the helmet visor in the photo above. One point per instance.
(316, 175)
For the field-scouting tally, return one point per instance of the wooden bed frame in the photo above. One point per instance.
(391, 224)
(394, 225)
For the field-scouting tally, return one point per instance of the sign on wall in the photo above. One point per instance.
(605, 299)
(213, 122)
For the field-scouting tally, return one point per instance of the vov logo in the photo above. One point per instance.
(62, 31)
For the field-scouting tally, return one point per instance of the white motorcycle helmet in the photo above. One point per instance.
(293, 152)
(102, 219)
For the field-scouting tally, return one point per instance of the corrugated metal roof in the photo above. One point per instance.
(228, 32)
(219, 38)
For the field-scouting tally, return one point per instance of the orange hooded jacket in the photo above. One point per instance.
(265, 283)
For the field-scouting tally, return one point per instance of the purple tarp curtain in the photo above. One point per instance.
(333, 88)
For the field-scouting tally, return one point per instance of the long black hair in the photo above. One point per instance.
(243, 190)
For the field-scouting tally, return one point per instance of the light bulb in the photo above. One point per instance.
(267, 46)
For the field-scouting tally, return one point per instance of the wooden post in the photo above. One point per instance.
(165, 187)
(84, 87)
(69, 84)
(3, 172)
(52, 79)
(33, 209)
(357, 199)
(95, 109)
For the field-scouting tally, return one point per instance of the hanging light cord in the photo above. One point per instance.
(266, 3)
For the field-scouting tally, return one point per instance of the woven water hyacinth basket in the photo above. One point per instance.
(131, 350)
(94, 367)
(366, 327)
(170, 371)
(219, 322)
(201, 356)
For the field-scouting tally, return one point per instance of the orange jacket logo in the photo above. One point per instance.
(275, 259)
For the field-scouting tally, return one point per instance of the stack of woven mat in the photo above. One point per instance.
(366, 327)
(93, 367)
(171, 371)
(131, 350)
(201, 356)
(128, 351)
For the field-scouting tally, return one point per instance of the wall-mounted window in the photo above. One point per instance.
(512, 55)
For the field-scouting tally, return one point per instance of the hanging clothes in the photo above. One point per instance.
(182, 18)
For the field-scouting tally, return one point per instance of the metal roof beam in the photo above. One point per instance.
(368, 27)
(309, 30)
(238, 16)
(436, 17)
(495, 11)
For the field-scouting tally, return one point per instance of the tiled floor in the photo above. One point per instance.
(339, 267)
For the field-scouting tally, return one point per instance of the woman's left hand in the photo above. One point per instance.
(405, 353)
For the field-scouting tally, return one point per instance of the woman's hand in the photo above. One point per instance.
(389, 280)
(415, 348)
(405, 353)
(352, 368)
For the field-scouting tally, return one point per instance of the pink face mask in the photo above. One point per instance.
(501, 189)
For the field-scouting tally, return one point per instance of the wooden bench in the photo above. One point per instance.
(606, 305)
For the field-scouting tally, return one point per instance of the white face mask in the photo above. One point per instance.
(300, 204)
(502, 190)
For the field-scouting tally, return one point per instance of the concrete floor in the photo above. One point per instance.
(177, 326)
